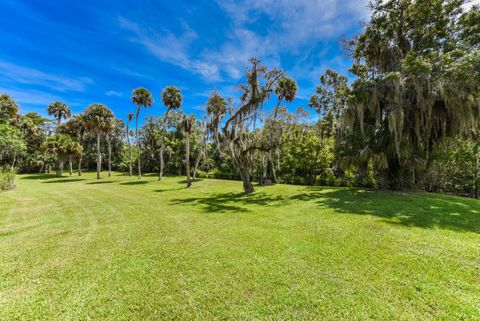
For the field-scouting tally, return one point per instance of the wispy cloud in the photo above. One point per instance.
(170, 48)
(114, 93)
(299, 26)
(38, 100)
(12, 73)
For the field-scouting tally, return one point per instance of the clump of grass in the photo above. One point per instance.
(7, 178)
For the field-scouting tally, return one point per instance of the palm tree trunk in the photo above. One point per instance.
(160, 174)
(138, 143)
(99, 157)
(187, 158)
(197, 161)
(109, 155)
(80, 164)
(70, 165)
(80, 158)
(276, 108)
(130, 149)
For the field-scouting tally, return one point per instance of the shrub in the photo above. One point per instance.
(7, 178)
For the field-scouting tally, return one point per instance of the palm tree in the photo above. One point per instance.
(98, 119)
(59, 110)
(286, 89)
(142, 98)
(108, 132)
(129, 119)
(82, 129)
(64, 147)
(172, 99)
(8, 107)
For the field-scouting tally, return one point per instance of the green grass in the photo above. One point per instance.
(128, 249)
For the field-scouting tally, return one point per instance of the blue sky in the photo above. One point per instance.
(82, 52)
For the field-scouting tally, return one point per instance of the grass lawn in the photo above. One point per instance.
(73, 248)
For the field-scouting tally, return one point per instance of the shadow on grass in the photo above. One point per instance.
(168, 189)
(134, 183)
(230, 202)
(40, 176)
(64, 180)
(407, 209)
(100, 182)
(184, 181)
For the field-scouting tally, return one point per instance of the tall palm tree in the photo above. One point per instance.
(286, 89)
(172, 99)
(129, 119)
(142, 98)
(82, 129)
(108, 132)
(98, 119)
(59, 110)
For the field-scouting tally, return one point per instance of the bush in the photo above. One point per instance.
(7, 179)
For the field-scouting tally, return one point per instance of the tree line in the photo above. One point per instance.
(407, 117)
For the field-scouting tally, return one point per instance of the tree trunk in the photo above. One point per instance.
(80, 158)
(197, 161)
(160, 172)
(244, 172)
(138, 144)
(247, 184)
(187, 158)
(80, 164)
(109, 145)
(130, 149)
(274, 171)
(477, 161)
(276, 108)
(14, 161)
(48, 168)
(265, 166)
(60, 168)
(99, 157)
(70, 165)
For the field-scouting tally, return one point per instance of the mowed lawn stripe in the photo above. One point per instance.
(122, 249)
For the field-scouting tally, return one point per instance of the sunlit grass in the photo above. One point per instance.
(74, 248)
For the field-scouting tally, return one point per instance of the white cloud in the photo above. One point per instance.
(19, 74)
(38, 100)
(113, 93)
(170, 48)
(297, 27)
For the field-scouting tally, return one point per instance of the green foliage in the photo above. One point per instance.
(12, 143)
(142, 97)
(172, 98)
(419, 85)
(59, 110)
(8, 108)
(7, 178)
(98, 118)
